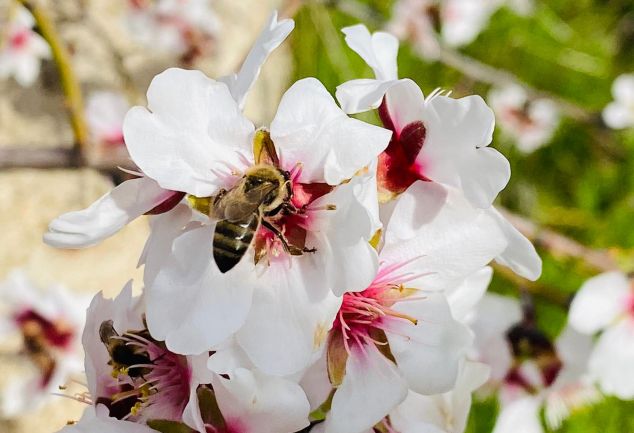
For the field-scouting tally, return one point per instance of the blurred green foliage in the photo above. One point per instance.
(581, 184)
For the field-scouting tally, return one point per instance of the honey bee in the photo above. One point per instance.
(122, 355)
(263, 192)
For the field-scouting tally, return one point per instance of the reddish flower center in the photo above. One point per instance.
(19, 39)
(57, 334)
(398, 166)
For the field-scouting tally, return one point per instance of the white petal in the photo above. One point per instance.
(253, 402)
(428, 353)
(612, 360)
(466, 296)
(191, 129)
(520, 254)
(520, 416)
(623, 88)
(379, 50)
(618, 115)
(288, 322)
(190, 294)
(227, 357)
(345, 261)
(357, 96)
(310, 129)
(445, 236)
(107, 215)
(316, 384)
(598, 302)
(27, 68)
(269, 39)
(455, 152)
(371, 388)
(404, 102)
(96, 419)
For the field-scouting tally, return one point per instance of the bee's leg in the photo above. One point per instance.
(291, 249)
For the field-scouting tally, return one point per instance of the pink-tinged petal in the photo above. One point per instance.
(379, 50)
(371, 388)
(107, 215)
(310, 129)
(494, 316)
(288, 322)
(436, 344)
(612, 360)
(191, 136)
(252, 402)
(189, 293)
(273, 34)
(599, 302)
(440, 236)
(357, 96)
(520, 416)
(464, 298)
(455, 152)
(404, 104)
(520, 254)
(96, 419)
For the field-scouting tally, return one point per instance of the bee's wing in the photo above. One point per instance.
(248, 204)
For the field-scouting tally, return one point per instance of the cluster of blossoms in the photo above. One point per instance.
(21, 49)
(184, 28)
(47, 323)
(619, 114)
(317, 275)
(430, 23)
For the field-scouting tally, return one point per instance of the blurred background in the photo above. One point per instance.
(553, 70)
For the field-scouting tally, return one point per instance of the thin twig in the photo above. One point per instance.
(560, 245)
(497, 77)
(70, 83)
(55, 158)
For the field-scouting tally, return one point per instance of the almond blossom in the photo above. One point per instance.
(605, 305)
(399, 332)
(619, 114)
(531, 123)
(528, 371)
(135, 382)
(435, 139)
(143, 195)
(185, 28)
(49, 322)
(23, 50)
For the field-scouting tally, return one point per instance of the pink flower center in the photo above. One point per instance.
(19, 39)
(56, 333)
(363, 313)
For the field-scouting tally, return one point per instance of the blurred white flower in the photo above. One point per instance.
(528, 371)
(105, 112)
(619, 114)
(530, 123)
(49, 322)
(429, 23)
(23, 50)
(184, 28)
(605, 304)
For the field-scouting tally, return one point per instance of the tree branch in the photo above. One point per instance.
(70, 83)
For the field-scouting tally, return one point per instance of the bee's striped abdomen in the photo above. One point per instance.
(232, 240)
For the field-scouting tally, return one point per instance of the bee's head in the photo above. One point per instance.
(264, 183)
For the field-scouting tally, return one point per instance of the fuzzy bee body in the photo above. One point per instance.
(260, 193)
(122, 356)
